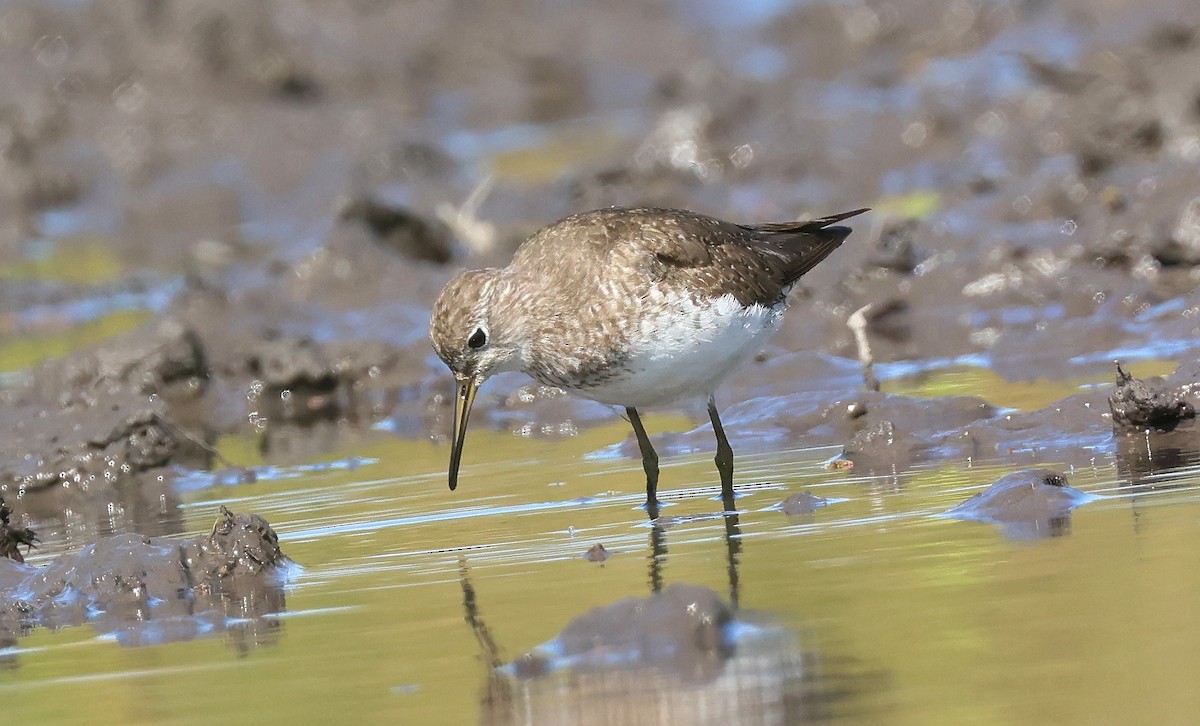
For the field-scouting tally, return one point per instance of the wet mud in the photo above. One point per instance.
(13, 538)
(1141, 405)
(143, 590)
(262, 201)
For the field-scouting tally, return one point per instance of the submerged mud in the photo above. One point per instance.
(802, 504)
(1025, 504)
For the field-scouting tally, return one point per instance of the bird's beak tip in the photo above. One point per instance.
(465, 389)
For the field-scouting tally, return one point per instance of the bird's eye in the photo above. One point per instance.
(478, 339)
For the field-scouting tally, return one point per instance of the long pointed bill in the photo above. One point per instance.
(463, 398)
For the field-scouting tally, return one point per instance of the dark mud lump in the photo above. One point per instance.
(1138, 404)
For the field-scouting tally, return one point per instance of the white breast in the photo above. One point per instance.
(685, 351)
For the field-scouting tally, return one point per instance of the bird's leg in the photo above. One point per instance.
(649, 461)
(724, 456)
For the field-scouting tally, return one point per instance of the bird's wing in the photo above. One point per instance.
(755, 263)
(805, 243)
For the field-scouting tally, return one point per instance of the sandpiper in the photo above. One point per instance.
(628, 307)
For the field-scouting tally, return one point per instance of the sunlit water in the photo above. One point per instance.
(902, 616)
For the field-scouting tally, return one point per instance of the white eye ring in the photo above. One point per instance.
(478, 339)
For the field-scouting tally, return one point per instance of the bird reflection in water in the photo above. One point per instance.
(680, 655)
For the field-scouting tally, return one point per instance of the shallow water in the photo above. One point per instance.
(900, 614)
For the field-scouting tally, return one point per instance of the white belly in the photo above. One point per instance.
(687, 352)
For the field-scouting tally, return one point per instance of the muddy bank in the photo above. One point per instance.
(104, 431)
(86, 432)
(147, 590)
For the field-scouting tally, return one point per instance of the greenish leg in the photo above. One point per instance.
(649, 460)
(724, 456)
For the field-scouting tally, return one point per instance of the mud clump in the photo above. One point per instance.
(896, 249)
(148, 590)
(100, 431)
(1154, 426)
(801, 504)
(1138, 404)
(12, 538)
(238, 545)
(874, 443)
(401, 230)
(165, 357)
(301, 383)
(879, 446)
(1025, 504)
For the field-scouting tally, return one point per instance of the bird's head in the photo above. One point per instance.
(474, 341)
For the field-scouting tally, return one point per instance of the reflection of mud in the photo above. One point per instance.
(677, 656)
(142, 590)
(681, 655)
(1025, 504)
(1146, 459)
(683, 632)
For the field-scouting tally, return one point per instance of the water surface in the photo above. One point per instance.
(901, 615)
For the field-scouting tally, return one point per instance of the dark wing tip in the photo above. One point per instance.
(824, 222)
(813, 241)
(811, 226)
